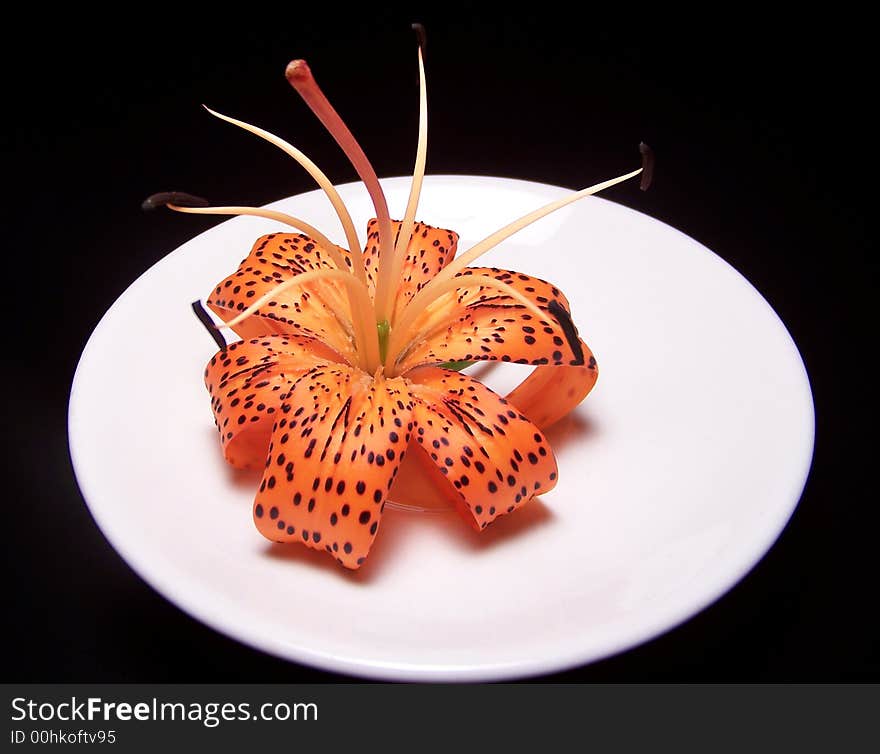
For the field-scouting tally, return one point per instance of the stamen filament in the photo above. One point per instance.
(435, 286)
(490, 242)
(300, 77)
(366, 343)
(320, 178)
(270, 214)
(398, 333)
(406, 229)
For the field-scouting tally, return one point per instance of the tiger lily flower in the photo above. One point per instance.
(344, 388)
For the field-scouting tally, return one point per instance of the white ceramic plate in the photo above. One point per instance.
(676, 474)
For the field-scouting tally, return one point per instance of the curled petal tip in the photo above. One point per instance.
(164, 198)
(647, 166)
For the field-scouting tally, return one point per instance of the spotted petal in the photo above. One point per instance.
(246, 381)
(319, 309)
(491, 455)
(551, 392)
(430, 250)
(337, 443)
(485, 324)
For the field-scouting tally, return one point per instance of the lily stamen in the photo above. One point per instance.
(406, 229)
(436, 286)
(397, 349)
(366, 343)
(356, 291)
(294, 222)
(320, 178)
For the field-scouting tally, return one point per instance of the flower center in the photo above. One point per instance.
(383, 328)
(394, 334)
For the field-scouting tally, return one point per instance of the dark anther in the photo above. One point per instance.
(209, 325)
(568, 328)
(421, 36)
(173, 197)
(647, 166)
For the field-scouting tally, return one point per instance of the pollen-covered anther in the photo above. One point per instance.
(421, 36)
(208, 324)
(164, 198)
(647, 166)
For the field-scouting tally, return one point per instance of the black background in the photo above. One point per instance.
(764, 153)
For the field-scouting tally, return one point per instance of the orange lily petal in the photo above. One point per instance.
(420, 483)
(484, 324)
(430, 250)
(490, 454)
(551, 392)
(547, 395)
(337, 443)
(245, 381)
(309, 310)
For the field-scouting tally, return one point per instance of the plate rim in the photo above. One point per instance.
(162, 582)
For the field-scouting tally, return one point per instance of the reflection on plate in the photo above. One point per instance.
(676, 474)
